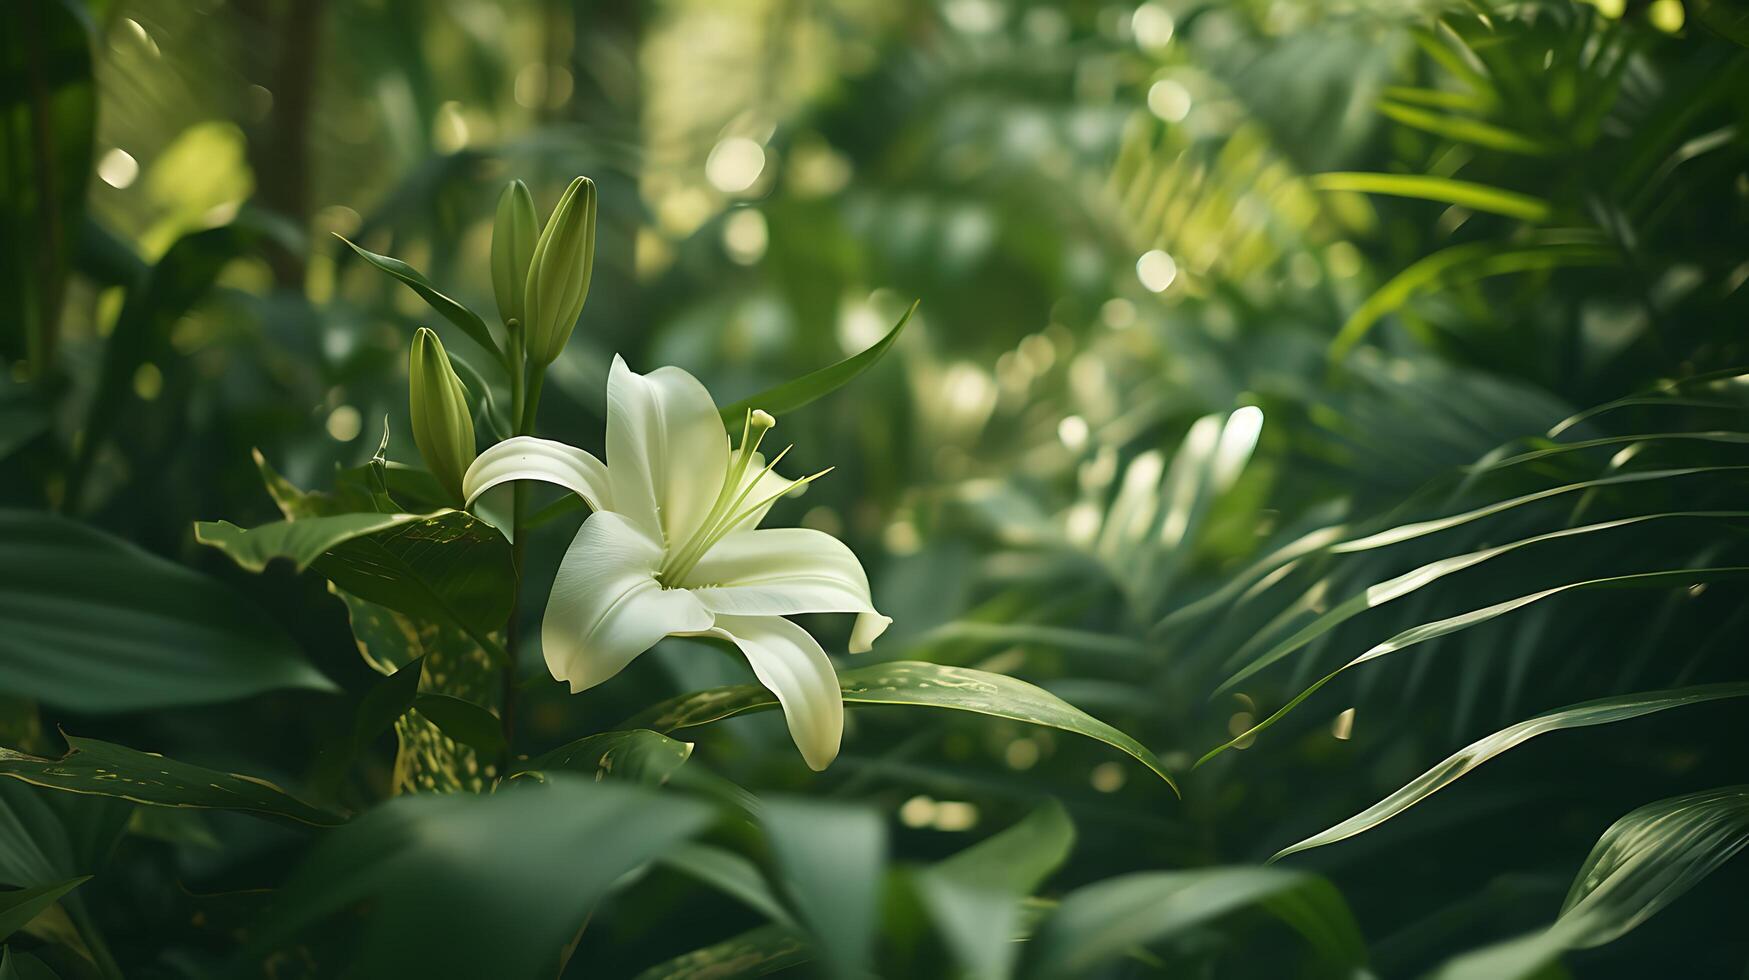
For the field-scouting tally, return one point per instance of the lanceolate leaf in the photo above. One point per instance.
(94, 624)
(1600, 712)
(464, 318)
(17, 908)
(1645, 861)
(832, 857)
(1476, 197)
(791, 395)
(1105, 920)
(18, 965)
(449, 566)
(754, 953)
(638, 755)
(1390, 590)
(974, 896)
(1463, 621)
(731, 874)
(914, 683)
(464, 721)
(102, 769)
(477, 886)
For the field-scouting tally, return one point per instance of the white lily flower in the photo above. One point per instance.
(673, 549)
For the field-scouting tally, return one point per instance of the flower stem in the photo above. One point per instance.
(524, 398)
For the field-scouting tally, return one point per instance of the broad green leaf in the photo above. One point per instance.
(1642, 863)
(1390, 590)
(386, 701)
(1105, 920)
(1475, 617)
(1603, 711)
(94, 624)
(451, 663)
(637, 755)
(49, 110)
(914, 683)
(18, 965)
(831, 857)
(450, 566)
(1417, 529)
(1461, 129)
(102, 769)
(464, 318)
(731, 874)
(791, 395)
(756, 953)
(18, 907)
(1463, 193)
(974, 896)
(464, 721)
(476, 886)
(1464, 263)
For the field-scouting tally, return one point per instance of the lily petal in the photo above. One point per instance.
(668, 449)
(607, 607)
(792, 666)
(528, 458)
(785, 571)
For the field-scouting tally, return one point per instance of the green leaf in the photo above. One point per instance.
(102, 769)
(1603, 711)
(731, 874)
(1105, 920)
(1460, 129)
(17, 908)
(1642, 863)
(16, 965)
(638, 755)
(1390, 590)
(1464, 263)
(449, 566)
(755, 953)
(464, 721)
(49, 110)
(974, 896)
(831, 856)
(1463, 193)
(95, 624)
(476, 886)
(914, 683)
(469, 321)
(386, 701)
(791, 395)
(1475, 617)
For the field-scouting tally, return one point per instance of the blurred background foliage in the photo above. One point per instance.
(1219, 303)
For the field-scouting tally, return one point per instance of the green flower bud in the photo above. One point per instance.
(558, 276)
(513, 237)
(442, 426)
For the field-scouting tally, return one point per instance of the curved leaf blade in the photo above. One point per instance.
(1603, 711)
(17, 908)
(103, 769)
(1463, 193)
(915, 683)
(93, 623)
(791, 395)
(464, 318)
(638, 755)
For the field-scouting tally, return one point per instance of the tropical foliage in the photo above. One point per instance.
(1301, 447)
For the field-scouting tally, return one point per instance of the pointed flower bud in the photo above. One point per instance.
(558, 276)
(442, 426)
(513, 238)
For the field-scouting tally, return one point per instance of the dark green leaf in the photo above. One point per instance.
(16, 965)
(731, 874)
(464, 721)
(831, 856)
(386, 701)
(102, 769)
(95, 624)
(17, 908)
(637, 755)
(1104, 920)
(469, 321)
(756, 953)
(914, 683)
(791, 395)
(475, 886)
